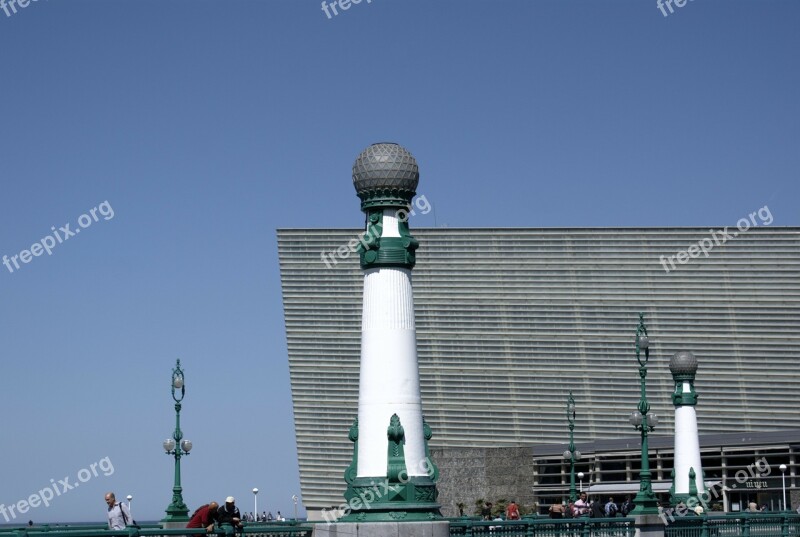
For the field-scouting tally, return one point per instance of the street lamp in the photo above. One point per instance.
(130, 498)
(294, 499)
(255, 503)
(782, 468)
(645, 500)
(177, 510)
(580, 476)
(571, 454)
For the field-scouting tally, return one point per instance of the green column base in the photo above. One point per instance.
(374, 499)
(686, 499)
(646, 504)
(177, 513)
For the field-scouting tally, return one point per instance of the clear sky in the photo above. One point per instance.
(205, 125)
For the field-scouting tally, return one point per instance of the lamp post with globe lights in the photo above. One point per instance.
(294, 499)
(580, 477)
(782, 468)
(645, 500)
(572, 454)
(130, 499)
(177, 511)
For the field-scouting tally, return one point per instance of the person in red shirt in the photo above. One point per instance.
(512, 511)
(204, 517)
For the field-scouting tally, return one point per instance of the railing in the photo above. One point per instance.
(251, 529)
(55, 528)
(543, 527)
(734, 525)
(773, 524)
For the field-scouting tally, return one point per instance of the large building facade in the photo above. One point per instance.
(510, 320)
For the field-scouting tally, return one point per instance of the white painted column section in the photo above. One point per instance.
(390, 227)
(389, 375)
(687, 448)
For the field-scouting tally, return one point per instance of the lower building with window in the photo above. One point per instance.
(739, 469)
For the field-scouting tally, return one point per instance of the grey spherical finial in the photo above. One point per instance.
(385, 171)
(683, 363)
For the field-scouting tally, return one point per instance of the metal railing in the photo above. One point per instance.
(543, 527)
(252, 529)
(773, 524)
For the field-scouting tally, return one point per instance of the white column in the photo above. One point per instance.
(687, 448)
(389, 374)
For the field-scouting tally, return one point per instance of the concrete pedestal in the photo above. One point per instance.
(174, 524)
(649, 526)
(437, 528)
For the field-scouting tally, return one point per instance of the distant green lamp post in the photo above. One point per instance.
(177, 510)
(645, 500)
(571, 454)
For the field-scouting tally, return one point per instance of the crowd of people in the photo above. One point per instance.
(206, 516)
(263, 517)
(211, 514)
(582, 507)
(753, 507)
(511, 512)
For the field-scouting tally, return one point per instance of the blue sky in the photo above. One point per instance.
(205, 125)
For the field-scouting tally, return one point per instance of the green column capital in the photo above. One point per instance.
(376, 250)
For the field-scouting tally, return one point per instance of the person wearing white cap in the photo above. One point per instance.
(229, 513)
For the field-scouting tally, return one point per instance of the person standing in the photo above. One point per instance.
(627, 506)
(204, 517)
(581, 506)
(596, 509)
(611, 508)
(119, 516)
(556, 510)
(229, 513)
(512, 511)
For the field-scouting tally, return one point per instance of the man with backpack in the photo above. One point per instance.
(119, 517)
(627, 506)
(611, 508)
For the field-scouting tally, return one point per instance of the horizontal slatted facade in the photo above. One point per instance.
(509, 320)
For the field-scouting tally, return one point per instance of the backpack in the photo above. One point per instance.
(125, 517)
(626, 508)
(611, 509)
